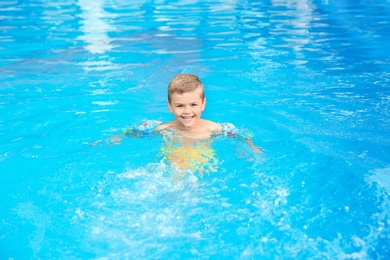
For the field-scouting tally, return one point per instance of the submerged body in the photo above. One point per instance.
(197, 157)
(185, 149)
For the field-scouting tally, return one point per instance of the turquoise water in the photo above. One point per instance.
(309, 78)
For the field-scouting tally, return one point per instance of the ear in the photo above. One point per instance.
(169, 106)
(203, 104)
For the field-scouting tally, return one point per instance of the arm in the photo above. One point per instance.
(164, 130)
(147, 128)
(113, 140)
(255, 148)
(229, 129)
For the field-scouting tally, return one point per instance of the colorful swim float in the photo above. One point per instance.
(146, 128)
(228, 129)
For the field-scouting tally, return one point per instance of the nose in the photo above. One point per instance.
(187, 109)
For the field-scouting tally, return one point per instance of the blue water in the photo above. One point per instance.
(309, 78)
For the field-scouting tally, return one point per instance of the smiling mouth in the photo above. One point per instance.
(187, 118)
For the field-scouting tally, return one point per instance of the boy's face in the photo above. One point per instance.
(187, 107)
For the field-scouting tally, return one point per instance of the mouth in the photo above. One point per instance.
(187, 118)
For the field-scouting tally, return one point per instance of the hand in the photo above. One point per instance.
(95, 142)
(256, 149)
(114, 140)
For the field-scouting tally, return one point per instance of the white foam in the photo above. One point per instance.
(382, 177)
(105, 103)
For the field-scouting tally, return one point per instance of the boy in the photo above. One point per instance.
(188, 135)
(186, 101)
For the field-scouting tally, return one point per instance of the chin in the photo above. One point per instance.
(188, 124)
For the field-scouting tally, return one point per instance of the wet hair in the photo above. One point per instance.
(184, 83)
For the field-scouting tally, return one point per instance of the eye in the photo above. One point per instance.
(179, 105)
(194, 105)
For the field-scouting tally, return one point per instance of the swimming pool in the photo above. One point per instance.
(309, 78)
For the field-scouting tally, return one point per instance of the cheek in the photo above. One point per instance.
(175, 111)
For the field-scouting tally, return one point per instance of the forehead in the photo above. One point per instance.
(187, 97)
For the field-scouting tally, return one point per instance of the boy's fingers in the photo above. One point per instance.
(95, 142)
(116, 139)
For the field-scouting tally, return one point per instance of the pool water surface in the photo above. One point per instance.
(310, 79)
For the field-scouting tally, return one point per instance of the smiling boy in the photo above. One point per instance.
(188, 136)
(186, 101)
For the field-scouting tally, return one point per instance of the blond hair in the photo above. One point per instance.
(184, 83)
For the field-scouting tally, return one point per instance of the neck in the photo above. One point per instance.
(190, 128)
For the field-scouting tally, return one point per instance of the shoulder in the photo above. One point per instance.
(212, 126)
(163, 126)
